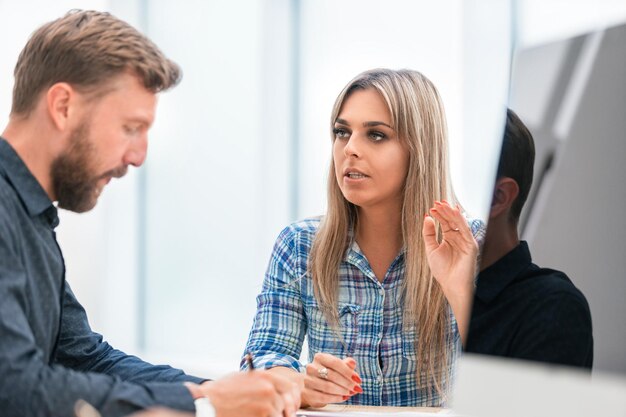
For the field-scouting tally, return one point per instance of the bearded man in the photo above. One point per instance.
(84, 99)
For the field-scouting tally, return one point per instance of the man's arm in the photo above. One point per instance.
(81, 349)
(30, 386)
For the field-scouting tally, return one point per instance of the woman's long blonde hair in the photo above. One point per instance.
(419, 120)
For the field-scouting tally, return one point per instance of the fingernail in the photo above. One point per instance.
(345, 397)
(352, 392)
(358, 389)
(356, 379)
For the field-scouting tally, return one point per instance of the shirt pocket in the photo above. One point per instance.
(409, 337)
(322, 337)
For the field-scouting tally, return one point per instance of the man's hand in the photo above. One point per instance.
(254, 394)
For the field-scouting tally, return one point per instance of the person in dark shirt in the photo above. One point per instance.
(84, 99)
(521, 310)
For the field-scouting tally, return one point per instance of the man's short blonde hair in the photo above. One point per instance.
(87, 49)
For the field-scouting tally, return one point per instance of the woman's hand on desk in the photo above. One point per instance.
(253, 393)
(330, 380)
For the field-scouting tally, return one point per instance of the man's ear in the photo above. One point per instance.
(60, 101)
(505, 192)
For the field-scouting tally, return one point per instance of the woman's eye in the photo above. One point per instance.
(377, 136)
(341, 133)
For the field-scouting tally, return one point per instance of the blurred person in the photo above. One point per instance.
(382, 292)
(84, 99)
(521, 310)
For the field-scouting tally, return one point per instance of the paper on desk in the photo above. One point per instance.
(373, 413)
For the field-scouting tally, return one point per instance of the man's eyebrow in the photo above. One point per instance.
(145, 120)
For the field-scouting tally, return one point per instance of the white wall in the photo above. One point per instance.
(207, 175)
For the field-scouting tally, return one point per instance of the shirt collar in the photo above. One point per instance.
(33, 196)
(494, 279)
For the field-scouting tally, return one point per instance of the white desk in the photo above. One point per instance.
(352, 410)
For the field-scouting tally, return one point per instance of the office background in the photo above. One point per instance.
(170, 261)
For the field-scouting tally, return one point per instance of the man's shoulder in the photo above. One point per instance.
(547, 284)
(10, 203)
(548, 278)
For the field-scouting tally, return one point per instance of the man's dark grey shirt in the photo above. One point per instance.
(526, 312)
(49, 356)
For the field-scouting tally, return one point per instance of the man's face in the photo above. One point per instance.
(111, 134)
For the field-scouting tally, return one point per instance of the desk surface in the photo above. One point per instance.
(333, 409)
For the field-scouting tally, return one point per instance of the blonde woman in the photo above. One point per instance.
(376, 285)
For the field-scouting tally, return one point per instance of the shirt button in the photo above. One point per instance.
(380, 379)
(382, 292)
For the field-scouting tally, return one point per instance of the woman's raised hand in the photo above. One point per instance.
(453, 260)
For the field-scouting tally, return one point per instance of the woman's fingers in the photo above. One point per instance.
(331, 380)
(445, 215)
(328, 384)
(317, 398)
(453, 223)
(319, 391)
(339, 371)
(429, 233)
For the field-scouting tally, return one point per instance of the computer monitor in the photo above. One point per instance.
(572, 96)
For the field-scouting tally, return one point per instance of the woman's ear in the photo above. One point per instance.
(59, 100)
(505, 192)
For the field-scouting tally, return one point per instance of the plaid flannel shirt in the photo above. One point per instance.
(370, 315)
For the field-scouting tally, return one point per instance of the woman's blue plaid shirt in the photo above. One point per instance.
(370, 317)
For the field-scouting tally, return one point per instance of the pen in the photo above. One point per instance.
(249, 361)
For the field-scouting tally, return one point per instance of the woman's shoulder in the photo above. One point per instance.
(301, 229)
(294, 243)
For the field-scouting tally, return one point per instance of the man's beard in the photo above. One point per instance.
(75, 185)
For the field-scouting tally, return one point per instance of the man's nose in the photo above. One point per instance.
(136, 153)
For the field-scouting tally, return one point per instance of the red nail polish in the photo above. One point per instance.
(358, 389)
(352, 392)
(356, 379)
(345, 397)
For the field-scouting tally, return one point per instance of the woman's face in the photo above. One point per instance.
(371, 163)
